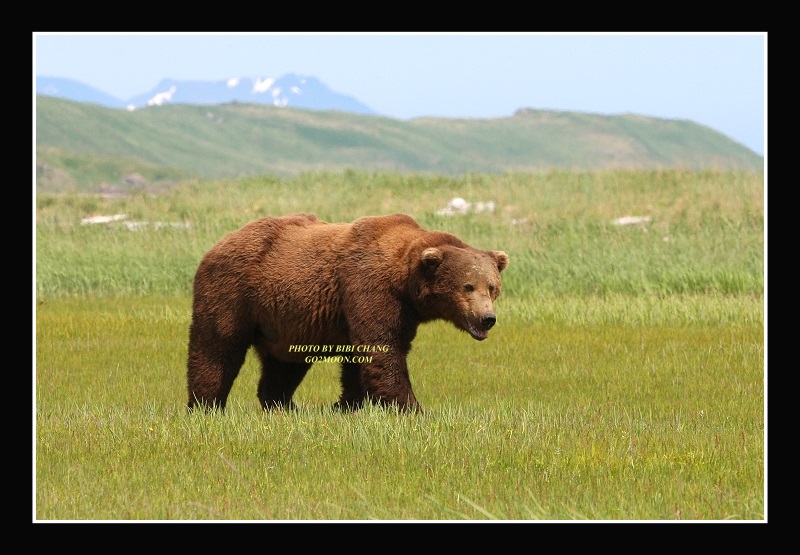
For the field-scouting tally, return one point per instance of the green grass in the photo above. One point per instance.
(705, 234)
(623, 381)
(551, 420)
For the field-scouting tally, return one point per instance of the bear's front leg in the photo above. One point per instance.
(382, 340)
(386, 381)
(353, 393)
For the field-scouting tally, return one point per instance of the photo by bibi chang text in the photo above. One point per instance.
(338, 358)
(338, 348)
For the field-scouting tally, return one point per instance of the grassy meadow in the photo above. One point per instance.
(625, 379)
(80, 144)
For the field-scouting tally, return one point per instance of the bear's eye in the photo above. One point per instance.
(491, 288)
(469, 288)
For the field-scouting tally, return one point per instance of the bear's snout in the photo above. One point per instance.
(480, 330)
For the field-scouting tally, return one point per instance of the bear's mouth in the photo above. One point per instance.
(477, 333)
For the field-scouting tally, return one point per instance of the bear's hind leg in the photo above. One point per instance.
(279, 380)
(211, 372)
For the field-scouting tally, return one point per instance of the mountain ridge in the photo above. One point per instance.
(297, 91)
(86, 146)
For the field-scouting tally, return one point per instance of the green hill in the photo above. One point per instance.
(89, 147)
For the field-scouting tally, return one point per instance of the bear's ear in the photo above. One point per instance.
(501, 258)
(431, 257)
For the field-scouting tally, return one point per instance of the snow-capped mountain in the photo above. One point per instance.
(291, 90)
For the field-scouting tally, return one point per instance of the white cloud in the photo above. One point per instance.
(296, 90)
(232, 82)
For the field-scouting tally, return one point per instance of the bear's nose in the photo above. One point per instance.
(488, 321)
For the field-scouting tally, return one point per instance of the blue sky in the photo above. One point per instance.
(715, 79)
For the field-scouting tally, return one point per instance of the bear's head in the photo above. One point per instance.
(460, 284)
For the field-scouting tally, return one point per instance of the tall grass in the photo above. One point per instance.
(705, 232)
(623, 381)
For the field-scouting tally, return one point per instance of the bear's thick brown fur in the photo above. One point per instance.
(279, 284)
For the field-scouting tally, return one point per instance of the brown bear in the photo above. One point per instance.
(298, 289)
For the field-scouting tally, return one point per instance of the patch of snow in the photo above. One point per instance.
(232, 82)
(277, 100)
(630, 220)
(103, 219)
(137, 226)
(458, 205)
(134, 226)
(162, 97)
(483, 207)
(262, 85)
